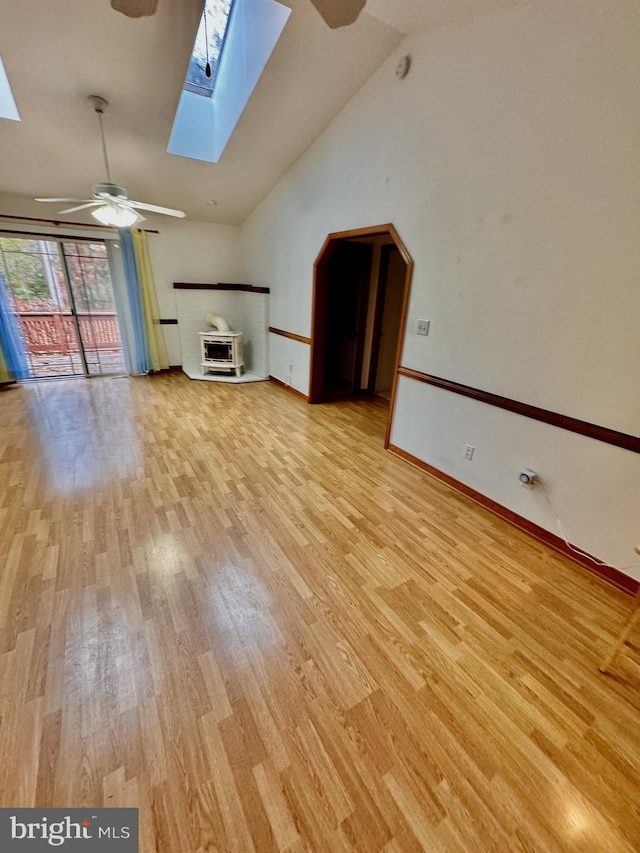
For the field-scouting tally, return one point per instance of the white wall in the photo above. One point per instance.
(508, 161)
(289, 361)
(193, 252)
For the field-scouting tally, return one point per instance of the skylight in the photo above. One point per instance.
(8, 107)
(208, 47)
(242, 35)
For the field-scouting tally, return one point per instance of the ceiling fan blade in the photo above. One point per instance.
(339, 13)
(135, 8)
(60, 200)
(82, 207)
(153, 208)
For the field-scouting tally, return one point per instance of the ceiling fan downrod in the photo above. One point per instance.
(99, 105)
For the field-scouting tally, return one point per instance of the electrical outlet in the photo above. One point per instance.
(290, 367)
(468, 452)
(423, 327)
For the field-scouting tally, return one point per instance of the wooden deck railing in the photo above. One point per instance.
(54, 332)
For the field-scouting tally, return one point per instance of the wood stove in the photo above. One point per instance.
(221, 351)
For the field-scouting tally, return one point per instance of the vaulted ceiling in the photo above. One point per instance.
(58, 53)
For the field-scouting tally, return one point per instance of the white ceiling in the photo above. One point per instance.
(57, 52)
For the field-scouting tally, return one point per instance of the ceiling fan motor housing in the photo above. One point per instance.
(110, 190)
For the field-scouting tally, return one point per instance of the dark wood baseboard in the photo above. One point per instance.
(289, 388)
(607, 573)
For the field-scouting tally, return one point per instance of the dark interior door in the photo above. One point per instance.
(348, 279)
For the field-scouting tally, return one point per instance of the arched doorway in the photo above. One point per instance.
(361, 289)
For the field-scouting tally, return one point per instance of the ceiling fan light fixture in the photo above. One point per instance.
(116, 217)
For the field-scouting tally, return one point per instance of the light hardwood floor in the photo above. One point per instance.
(238, 613)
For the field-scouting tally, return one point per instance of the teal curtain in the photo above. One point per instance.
(142, 339)
(140, 358)
(13, 357)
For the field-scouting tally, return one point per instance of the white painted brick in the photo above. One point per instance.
(244, 311)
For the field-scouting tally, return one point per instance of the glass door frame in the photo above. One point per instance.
(64, 261)
(74, 314)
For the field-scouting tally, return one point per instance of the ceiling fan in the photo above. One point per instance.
(336, 13)
(110, 204)
(339, 13)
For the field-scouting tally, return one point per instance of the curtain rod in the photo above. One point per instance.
(45, 235)
(73, 224)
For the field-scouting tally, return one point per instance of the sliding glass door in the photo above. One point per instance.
(89, 278)
(61, 295)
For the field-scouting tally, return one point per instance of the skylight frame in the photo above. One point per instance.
(198, 59)
(8, 107)
(203, 124)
